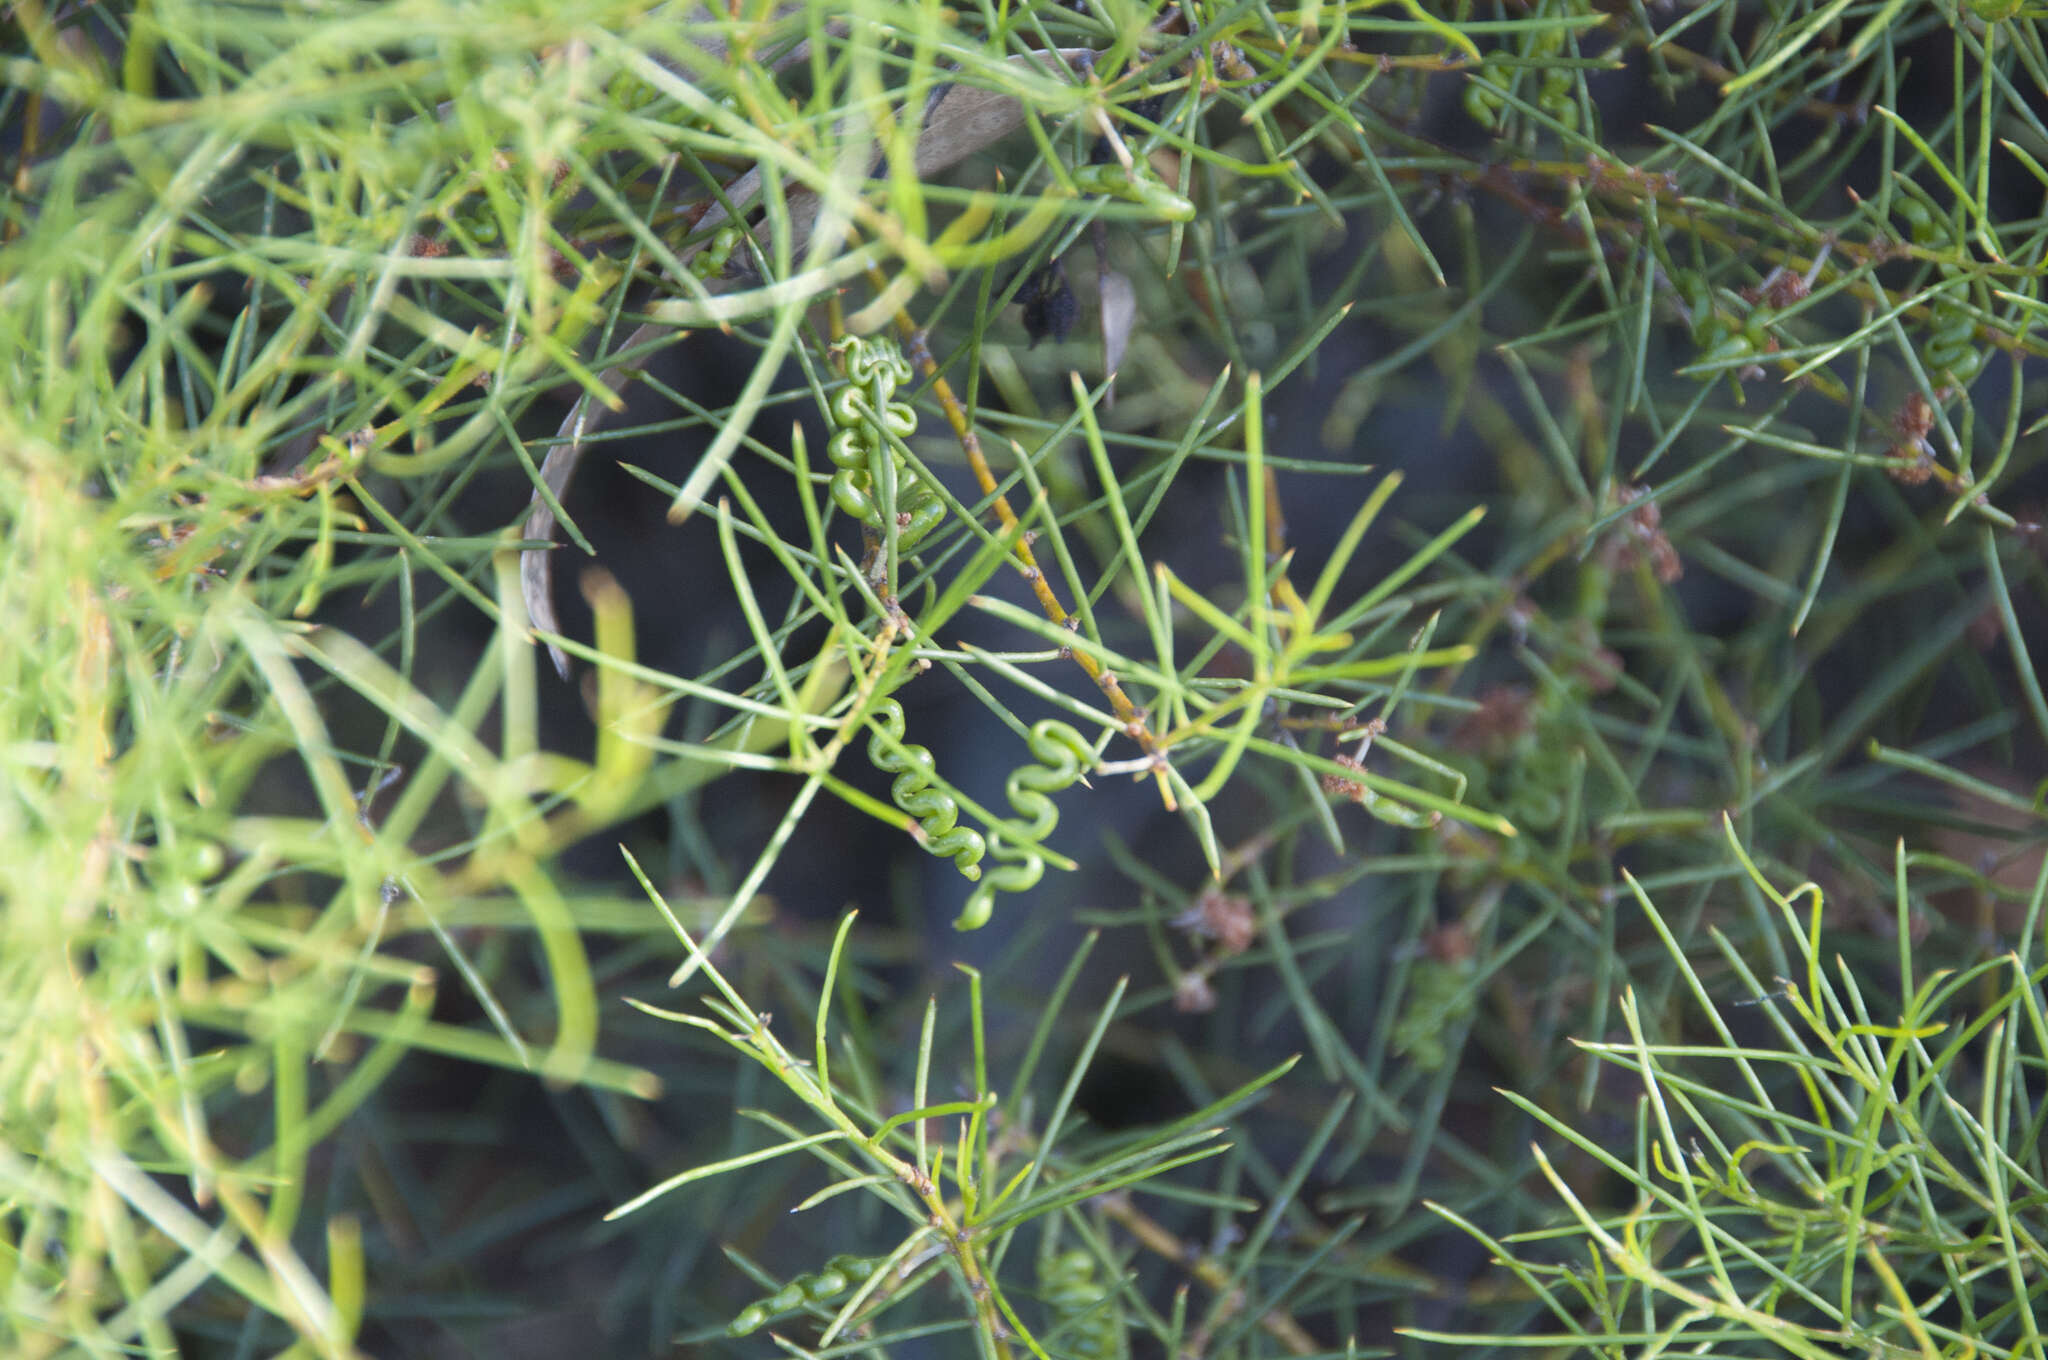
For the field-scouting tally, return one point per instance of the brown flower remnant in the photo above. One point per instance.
(1223, 917)
(1451, 943)
(1642, 536)
(1597, 666)
(1504, 716)
(1337, 786)
(1912, 471)
(1912, 456)
(1785, 288)
(1782, 286)
(1600, 671)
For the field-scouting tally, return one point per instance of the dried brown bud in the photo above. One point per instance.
(1912, 423)
(1664, 560)
(1601, 670)
(1643, 538)
(1223, 917)
(1337, 786)
(1912, 469)
(1504, 716)
(1785, 289)
(1450, 943)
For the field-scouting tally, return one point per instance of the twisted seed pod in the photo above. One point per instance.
(862, 410)
(1952, 348)
(710, 262)
(1079, 1300)
(1067, 1283)
(917, 514)
(937, 812)
(1482, 105)
(1921, 222)
(1712, 334)
(1063, 755)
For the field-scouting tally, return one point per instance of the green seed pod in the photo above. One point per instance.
(1952, 349)
(937, 811)
(1925, 227)
(1483, 105)
(194, 860)
(1134, 186)
(827, 1284)
(1063, 756)
(1708, 325)
(1084, 1304)
(1729, 348)
(1995, 11)
(711, 261)
(1436, 1000)
(840, 1274)
(1757, 330)
(1560, 106)
(1957, 364)
(866, 412)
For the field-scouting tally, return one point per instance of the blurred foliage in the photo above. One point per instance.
(1601, 441)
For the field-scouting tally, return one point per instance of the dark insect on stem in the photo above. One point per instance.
(1050, 307)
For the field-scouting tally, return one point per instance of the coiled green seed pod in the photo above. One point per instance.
(1483, 105)
(710, 262)
(1709, 326)
(937, 811)
(1562, 107)
(1082, 1303)
(1952, 350)
(1063, 755)
(1926, 227)
(866, 412)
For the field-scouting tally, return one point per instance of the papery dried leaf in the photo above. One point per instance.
(959, 120)
(537, 565)
(1119, 308)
